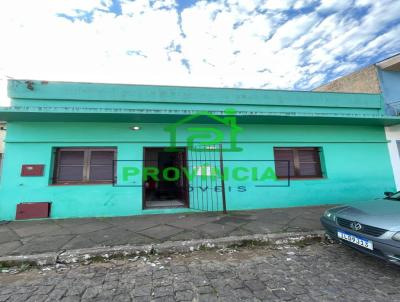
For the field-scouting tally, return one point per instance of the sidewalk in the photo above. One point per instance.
(19, 238)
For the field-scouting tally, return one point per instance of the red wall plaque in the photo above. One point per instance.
(32, 170)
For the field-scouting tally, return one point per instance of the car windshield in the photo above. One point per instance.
(395, 196)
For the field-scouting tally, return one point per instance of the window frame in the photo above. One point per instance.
(86, 166)
(297, 163)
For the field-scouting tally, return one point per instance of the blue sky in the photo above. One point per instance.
(270, 44)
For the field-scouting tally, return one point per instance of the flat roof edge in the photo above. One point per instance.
(390, 64)
(123, 111)
(30, 84)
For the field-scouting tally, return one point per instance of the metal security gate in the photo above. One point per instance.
(206, 183)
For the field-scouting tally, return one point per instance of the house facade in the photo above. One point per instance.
(383, 78)
(97, 150)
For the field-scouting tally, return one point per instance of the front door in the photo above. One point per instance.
(162, 187)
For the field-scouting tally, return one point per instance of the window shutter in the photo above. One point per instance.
(101, 165)
(70, 166)
(84, 165)
(283, 158)
(304, 162)
(309, 162)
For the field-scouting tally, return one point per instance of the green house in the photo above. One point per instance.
(96, 150)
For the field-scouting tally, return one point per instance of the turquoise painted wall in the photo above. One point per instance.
(355, 158)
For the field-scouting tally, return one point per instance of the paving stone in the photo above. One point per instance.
(205, 290)
(56, 295)
(262, 227)
(163, 291)
(265, 295)
(115, 236)
(92, 292)
(8, 247)
(37, 298)
(236, 283)
(7, 236)
(89, 227)
(254, 285)
(18, 297)
(165, 299)
(231, 220)
(142, 291)
(76, 290)
(79, 242)
(42, 245)
(192, 221)
(161, 231)
(242, 293)
(44, 290)
(142, 299)
(216, 230)
(186, 235)
(75, 221)
(283, 294)
(257, 274)
(135, 223)
(182, 285)
(34, 229)
(207, 298)
(4, 298)
(71, 299)
(186, 295)
(306, 224)
(122, 298)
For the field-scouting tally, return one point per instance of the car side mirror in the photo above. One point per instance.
(388, 194)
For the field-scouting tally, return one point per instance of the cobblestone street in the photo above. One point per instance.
(317, 272)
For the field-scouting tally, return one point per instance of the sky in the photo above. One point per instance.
(268, 44)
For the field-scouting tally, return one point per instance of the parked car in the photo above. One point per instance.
(371, 227)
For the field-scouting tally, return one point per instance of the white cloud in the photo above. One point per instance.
(335, 5)
(250, 44)
(361, 3)
(278, 4)
(292, 30)
(299, 4)
(386, 43)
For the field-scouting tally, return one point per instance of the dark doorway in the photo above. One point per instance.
(162, 192)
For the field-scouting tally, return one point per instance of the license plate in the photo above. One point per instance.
(356, 240)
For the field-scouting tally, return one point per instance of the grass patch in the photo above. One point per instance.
(248, 243)
(16, 265)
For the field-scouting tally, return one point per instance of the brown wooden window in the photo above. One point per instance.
(84, 165)
(303, 162)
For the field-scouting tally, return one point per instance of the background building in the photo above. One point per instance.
(384, 78)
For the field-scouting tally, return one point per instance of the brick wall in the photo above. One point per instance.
(362, 81)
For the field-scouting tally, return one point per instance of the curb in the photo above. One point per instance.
(169, 247)
(36, 259)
